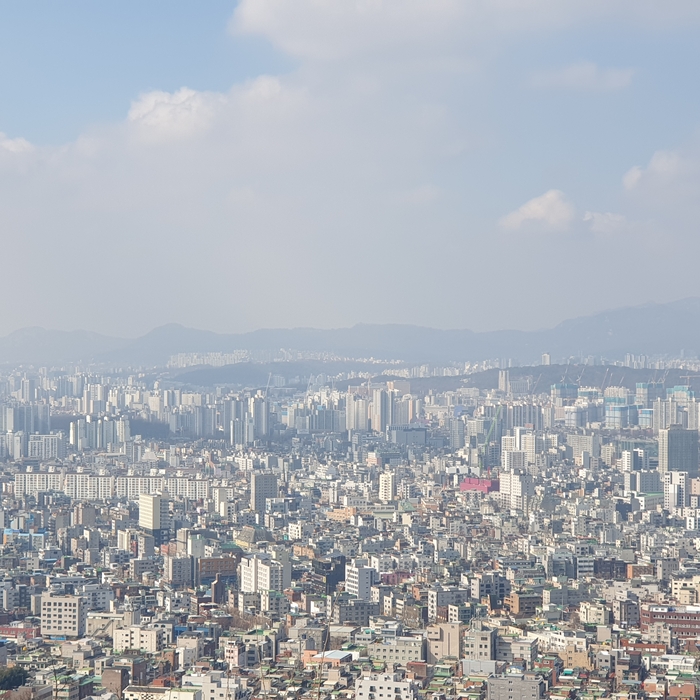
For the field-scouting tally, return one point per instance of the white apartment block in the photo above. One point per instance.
(359, 579)
(98, 487)
(263, 573)
(385, 685)
(138, 637)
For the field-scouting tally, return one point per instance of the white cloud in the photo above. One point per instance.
(321, 172)
(173, 114)
(583, 76)
(332, 30)
(664, 166)
(664, 193)
(17, 145)
(335, 29)
(632, 177)
(551, 210)
(605, 223)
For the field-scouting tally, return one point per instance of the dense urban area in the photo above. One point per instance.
(355, 535)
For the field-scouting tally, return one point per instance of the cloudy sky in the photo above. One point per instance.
(272, 163)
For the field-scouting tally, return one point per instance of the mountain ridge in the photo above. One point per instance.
(651, 329)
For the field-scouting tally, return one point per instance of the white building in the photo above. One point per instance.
(63, 615)
(385, 685)
(516, 490)
(215, 685)
(150, 692)
(98, 596)
(178, 570)
(359, 579)
(676, 491)
(139, 637)
(387, 487)
(260, 572)
(153, 512)
(263, 485)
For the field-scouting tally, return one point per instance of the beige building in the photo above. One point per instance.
(444, 642)
(480, 642)
(63, 615)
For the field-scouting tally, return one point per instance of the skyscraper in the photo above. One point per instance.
(263, 485)
(678, 450)
(381, 410)
(258, 409)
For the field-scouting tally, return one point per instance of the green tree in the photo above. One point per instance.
(11, 678)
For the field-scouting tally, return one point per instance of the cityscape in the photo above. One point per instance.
(337, 535)
(350, 350)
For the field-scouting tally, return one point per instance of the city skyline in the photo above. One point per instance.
(350, 350)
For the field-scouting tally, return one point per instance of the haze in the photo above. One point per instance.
(278, 164)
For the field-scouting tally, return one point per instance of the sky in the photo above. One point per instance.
(482, 164)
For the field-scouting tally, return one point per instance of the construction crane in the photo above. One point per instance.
(536, 383)
(326, 641)
(308, 388)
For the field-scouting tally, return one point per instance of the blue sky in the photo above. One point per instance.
(67, 66)
(452, 163)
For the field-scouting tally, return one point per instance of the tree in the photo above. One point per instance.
(11, 678)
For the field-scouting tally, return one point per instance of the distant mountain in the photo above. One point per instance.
(649, 329)
(40, 346)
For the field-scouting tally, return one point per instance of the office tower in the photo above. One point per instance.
(457, 439)
(263, 485)
(356, 413)
(381, 410)
(154, 518)
(678, 450)
(349, 411)
(259, 410)
(387, 487)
